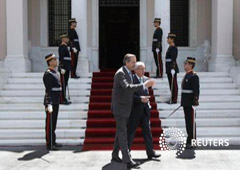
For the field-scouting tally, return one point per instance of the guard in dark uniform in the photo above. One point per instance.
(172, 67)
(157, 47)
(74, 46)
(64, 66)
(190, 97)
(53, 88)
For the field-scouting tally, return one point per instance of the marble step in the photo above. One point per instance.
(82, 86)
(40, 124)
(204, 106)
(40, 115)
(202, 114)
(40, 93)
(203, 122)
(38, 99)
(40, 81)
(40, 133)
(40, 107)
(229, 98)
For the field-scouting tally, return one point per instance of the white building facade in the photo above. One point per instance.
(213, 36)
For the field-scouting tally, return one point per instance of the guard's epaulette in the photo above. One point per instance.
(194, 73)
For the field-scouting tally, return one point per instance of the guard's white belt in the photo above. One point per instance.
(57, 89)
(67, 58)
(169, 60)
(75, 40)
(155, 40)
(187, 91)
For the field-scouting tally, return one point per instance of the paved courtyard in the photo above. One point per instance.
(72, 158)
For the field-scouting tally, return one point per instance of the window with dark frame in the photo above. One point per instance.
(59, 12)
(180, 21)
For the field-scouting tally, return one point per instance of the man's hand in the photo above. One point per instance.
(196, 103)
(63, 71)
(144, 99)
(149, 83)
(74, 50)
(157, 50)
(50, 108)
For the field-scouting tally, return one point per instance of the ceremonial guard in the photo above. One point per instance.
(74, 46)
(157, 47)
(172, 67)
(53, 88)
(64, 66)
(190, 97)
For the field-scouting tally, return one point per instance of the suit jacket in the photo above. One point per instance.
(122, 93)
(139, 108)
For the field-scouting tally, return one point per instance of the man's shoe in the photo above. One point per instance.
(66, 102)
(116, 159)
(154, 156)
(58, 145)
(132, 164)
(188, 146)
(53, 148)
(169, 102)
(76, 77)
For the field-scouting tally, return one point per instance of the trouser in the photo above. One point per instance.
(74, 62)
(144, 120)
(159, 63)
(121, 139)
(64, 82)
(50, 125)
(189, 120)
(173, 85)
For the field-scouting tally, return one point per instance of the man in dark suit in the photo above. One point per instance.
(122, 99)
(141, 112)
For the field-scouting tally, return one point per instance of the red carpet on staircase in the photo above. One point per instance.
(100, 131)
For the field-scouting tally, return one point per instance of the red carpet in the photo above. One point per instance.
(101, 130)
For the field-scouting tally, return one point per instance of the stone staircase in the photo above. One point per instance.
(218, 115)
(22, 116)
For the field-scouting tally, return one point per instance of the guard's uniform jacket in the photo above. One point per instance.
(190, 96)
(171, 63)
(157, 39)
(171, 59)
(74, 41)
(53, 87)
(52, 97)
(64, 57)
(190, 89)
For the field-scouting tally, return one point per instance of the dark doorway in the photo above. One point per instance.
(118, 32)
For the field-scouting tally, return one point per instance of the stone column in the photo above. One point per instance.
(162, 10)
(17, 36)
(79, 11)
(222, 36)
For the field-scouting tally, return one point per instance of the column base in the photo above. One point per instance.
(221, 63)
(18, 64)
(83, 65)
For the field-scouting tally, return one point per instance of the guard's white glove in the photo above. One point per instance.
(63, 71)
(75, 50)
(173, 72)
(50, 108)
(157, 50)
